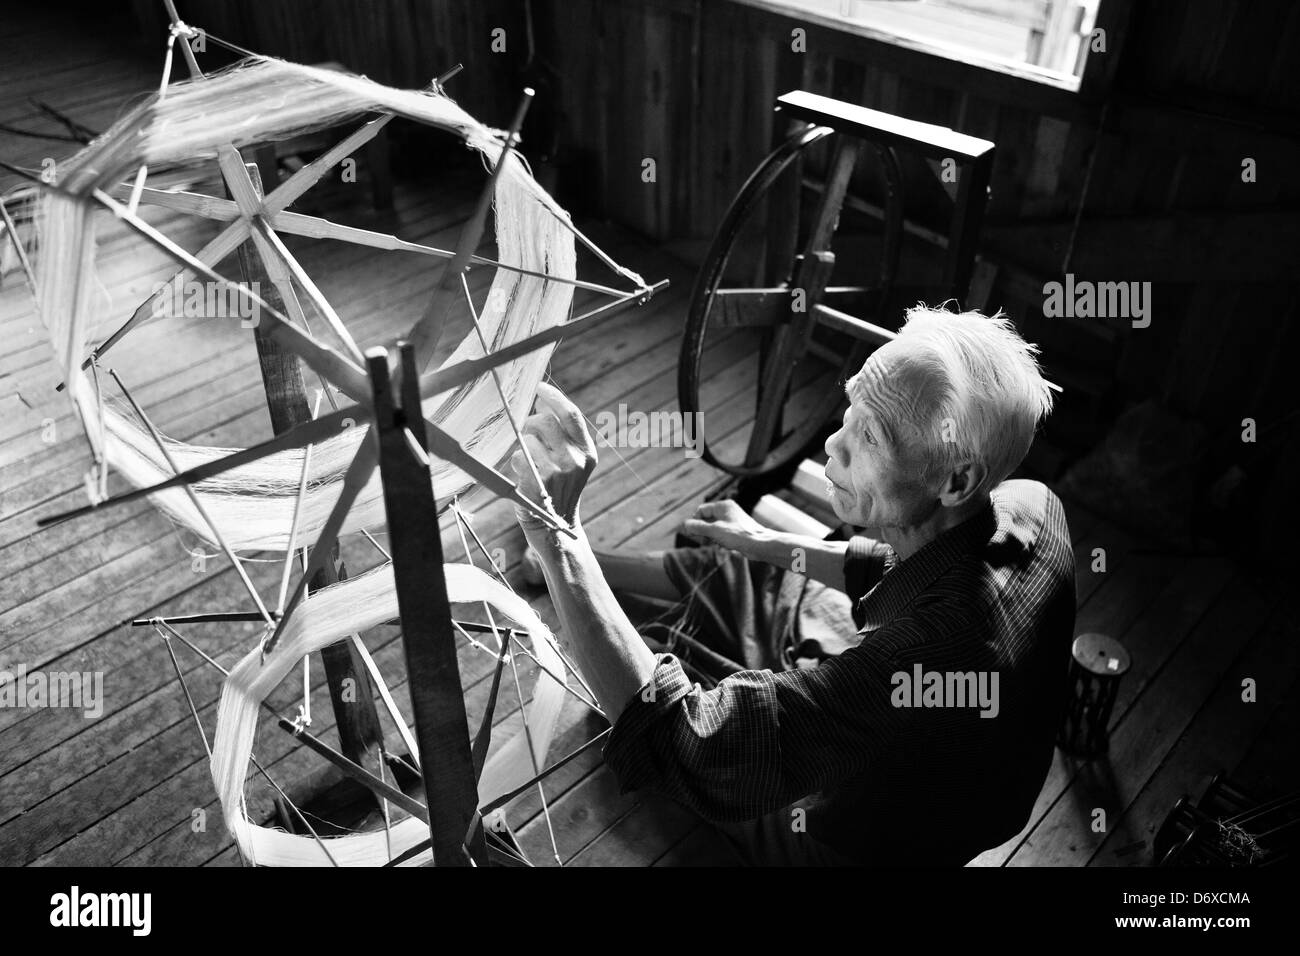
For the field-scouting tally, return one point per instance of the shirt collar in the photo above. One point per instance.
(904, 580)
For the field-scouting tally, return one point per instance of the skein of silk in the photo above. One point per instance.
(258, 101)
(329, 615)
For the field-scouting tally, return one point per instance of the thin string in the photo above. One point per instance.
(378, 547)
(500, 575)
(480, 646)
(294, 807)
(185, 688)
(303, 720)
(502, 645)
(607, 443)
(504, 799)
(505, 403)
(230, 46)
(386, 696)
(143, 172)
(532, 756)
(101, 465)
(297, 515)
(383, 804)
(158, 626)
(22, 253)
(194, 499)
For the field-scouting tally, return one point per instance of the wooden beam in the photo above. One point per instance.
(428, 637)
(926, 139)
(360, 735)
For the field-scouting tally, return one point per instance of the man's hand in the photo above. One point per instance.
(565, 455)
(727, 524)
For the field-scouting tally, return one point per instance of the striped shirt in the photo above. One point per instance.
(927, 741)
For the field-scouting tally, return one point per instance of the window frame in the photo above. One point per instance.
(1027, 86)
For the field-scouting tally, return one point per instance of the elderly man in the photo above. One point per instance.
(912, 722)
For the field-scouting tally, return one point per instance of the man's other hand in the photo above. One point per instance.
(727, 524)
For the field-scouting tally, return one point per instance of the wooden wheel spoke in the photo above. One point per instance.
(750, 308)
(183, 200)
(852, 325)
(776, 371)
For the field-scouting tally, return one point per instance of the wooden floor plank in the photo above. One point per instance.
(702, 847)
(1125, 602)
(645, 834)
(1220, 732)
(1145, 731)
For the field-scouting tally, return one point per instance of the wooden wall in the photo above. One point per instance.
(1186, 91)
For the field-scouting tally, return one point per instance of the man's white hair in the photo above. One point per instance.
(970, 391)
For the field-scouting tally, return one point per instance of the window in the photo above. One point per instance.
(1046, 40)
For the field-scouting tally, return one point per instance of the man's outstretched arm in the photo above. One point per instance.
(594, 630)
(727, 524)
(609, 652)
(848, 566)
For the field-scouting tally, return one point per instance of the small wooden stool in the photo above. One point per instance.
(1097, 665)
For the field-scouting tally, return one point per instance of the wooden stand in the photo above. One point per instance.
(286, 399)
(429, 641)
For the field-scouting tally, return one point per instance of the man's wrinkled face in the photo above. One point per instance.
(877, 464)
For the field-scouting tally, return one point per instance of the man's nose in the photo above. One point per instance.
(833, 443)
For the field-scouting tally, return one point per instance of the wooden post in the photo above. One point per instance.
(964, 232)
(286, 397)
(428, 638)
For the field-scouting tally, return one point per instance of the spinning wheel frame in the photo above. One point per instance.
(788, 332)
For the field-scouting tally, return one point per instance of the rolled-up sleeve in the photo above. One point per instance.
(758, 740)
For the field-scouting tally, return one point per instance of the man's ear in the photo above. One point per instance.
(961, 484)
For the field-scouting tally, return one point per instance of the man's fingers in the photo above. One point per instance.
(548, 430)
(698, 529)
(518, 467)
(540, 456)
(551, 399)
(540, 451)
(704, 511)
(713, 510)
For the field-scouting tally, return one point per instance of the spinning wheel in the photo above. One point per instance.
(773, 270)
